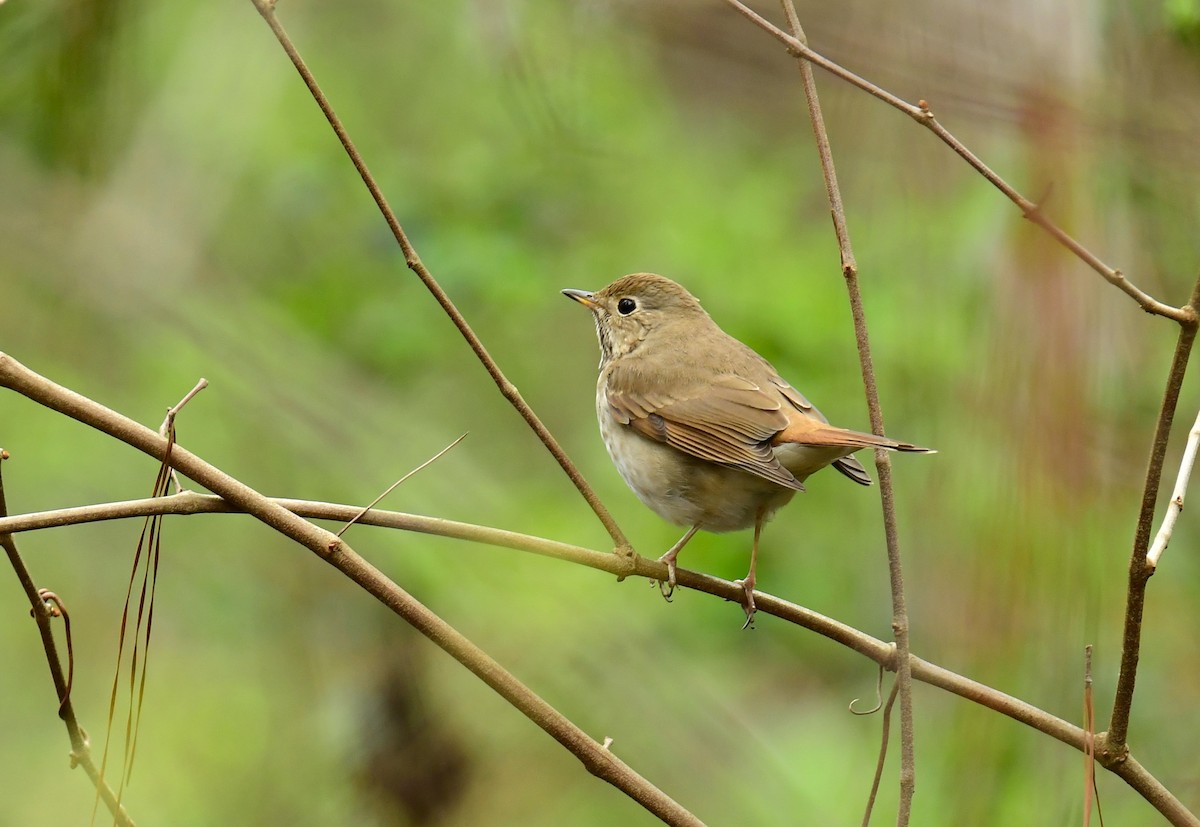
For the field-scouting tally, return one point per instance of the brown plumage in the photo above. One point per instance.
(703, 429)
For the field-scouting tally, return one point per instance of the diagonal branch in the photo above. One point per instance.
(883, 462)
(81, 753)
(1163, 538)
(598, 760)
(267, 9)
(1139, 569)
(922, 114)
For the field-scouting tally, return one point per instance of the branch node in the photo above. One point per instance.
(628, 559)
(1106, 754)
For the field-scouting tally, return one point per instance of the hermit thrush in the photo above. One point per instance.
(702, 428)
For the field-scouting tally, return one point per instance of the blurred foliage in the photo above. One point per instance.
(174, 206)
(1183, 17)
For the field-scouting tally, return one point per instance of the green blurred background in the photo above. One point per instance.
(172, 205)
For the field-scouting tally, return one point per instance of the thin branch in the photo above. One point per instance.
(58, 608)
(507, 388)
(81, 753)
(886, 726)
(1175, 508)
(167, 428)
(922, 114)
(883, 462)
(173, 412)
(393, 486)
(1089, 738)
(882, 652)
(1139, 569)
(600, 762)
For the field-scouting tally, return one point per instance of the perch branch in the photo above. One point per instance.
(883, 463)
(882, 652)
(602, 763)
(922, 114)
(507, 388)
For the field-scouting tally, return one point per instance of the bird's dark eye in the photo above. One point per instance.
(626, 306)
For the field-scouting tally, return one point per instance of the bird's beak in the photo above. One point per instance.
(584, 297)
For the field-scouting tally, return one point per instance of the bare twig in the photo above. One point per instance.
(173, 412)
(58, 608)
(600, 762)
(886, 726)
(922, 114)
(393, 486)
(883, 462)
(509, 391)
(1175, 507)
(1139, 570)
(1089, 737)
(167, 428)
(81, 754)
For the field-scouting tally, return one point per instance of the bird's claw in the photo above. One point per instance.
(749, 607)
(667, 589)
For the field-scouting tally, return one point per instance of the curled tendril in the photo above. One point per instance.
(56, 608)
(878, 698)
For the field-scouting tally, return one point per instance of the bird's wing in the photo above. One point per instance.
(728, 420)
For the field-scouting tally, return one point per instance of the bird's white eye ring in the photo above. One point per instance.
(626, 306)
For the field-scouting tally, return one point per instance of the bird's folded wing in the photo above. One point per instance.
(730, 421)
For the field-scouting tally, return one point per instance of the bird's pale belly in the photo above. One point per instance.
(687, 490)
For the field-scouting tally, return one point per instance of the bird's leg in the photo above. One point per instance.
(748, 582)
(669, 559)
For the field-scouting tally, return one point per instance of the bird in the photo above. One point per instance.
(702, 428)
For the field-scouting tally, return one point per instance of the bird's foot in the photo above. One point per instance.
(667, 588)
(748, 587)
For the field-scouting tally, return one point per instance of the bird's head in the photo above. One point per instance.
(637, 307)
